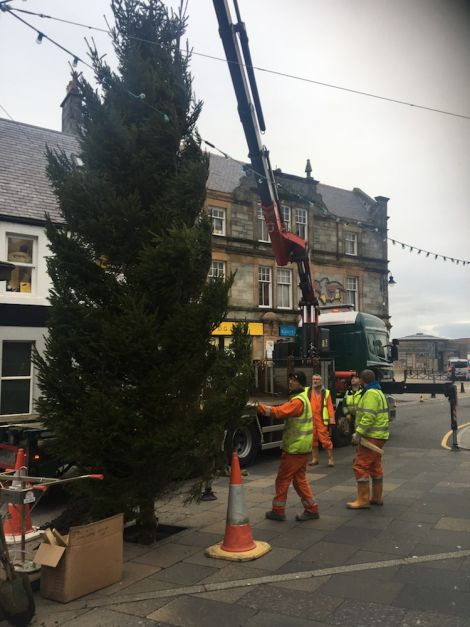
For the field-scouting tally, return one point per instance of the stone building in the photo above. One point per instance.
(347, 235)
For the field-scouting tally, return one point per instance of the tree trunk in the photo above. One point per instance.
(147, 522)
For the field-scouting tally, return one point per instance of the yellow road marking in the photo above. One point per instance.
(448, 434)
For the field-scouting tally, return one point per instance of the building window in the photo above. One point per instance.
(285, 216)
(20, 251)
(301, 223)
(265, 286)
(350, 243)
(16, 378)
(351, 291)
(284, 288)
(217, 270)
(263, 235)
(217, 217)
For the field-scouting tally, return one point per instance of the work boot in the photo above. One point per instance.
(314, 461)
(362, 501)
(331, 461)
(275, 516)
(307, 516)
(377, 491)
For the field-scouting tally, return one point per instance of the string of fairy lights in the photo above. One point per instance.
(76, 59)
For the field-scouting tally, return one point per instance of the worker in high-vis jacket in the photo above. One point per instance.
(372, 416)
(323, 418)
(351, 398)
(296, 448)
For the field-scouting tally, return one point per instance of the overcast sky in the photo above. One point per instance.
(416, 51)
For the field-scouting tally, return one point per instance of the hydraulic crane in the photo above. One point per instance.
(287, 247)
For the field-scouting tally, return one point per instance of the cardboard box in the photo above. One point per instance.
(91, 560)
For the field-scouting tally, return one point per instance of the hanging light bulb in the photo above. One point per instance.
(39, 38)
(75, 62)
(391, 280)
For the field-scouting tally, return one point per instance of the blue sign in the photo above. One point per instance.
(287, 330)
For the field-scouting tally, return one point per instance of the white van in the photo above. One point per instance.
(458, 369)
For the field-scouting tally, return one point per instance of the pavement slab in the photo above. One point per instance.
(432, 619)
(267, 619)
(186, 574)
(362, 614)
(432, 578)
(353, 535)
(362, 587)
(300, 537)
(190, 611)
(109, 618)
(167, 555)
(282, 601)
(454, 524)
(326, 554)
(417, 597)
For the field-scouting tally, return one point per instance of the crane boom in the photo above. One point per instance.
(287, 247)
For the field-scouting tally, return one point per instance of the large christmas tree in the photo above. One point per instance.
(131, 384)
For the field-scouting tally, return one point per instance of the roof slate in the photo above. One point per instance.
(26, 194)
(25, 191)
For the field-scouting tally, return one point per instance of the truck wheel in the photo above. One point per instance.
(344, 428)
(245, 441)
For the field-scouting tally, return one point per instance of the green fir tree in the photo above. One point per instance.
(131, 384)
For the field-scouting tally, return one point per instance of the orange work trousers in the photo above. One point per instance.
(368, 463)
(320, 432)
(293, 468)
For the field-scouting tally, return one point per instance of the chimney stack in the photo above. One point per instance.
(308, 169)
(72, 110)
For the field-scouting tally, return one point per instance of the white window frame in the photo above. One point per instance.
(31, 266)
(18, 377)
(217, 269)
(284, 288)
(263, 233)
(286, 216)
(218, 217)
(352, 291)
(301, 223)
(265, 286)
(350, 243)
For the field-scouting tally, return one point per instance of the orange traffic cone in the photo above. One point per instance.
(12, 525)
(238, 543)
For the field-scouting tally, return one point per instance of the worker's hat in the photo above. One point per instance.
(299, 376)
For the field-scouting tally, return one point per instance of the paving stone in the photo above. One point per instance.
(167, 555)
(398, 545)
(433, 577)
(368, 520)
(193, 612)
(233, 571)
(231, 595)
(104, 617)
(300, 537)
(432, 619)
(274, 559)
(149, 584)
(362, 587)
(362, 557)
(141, 608)
(266, 619)
(454, 524)
(307, 585)
(186, 574)
(409, 528)
(197, 538)
(418, 597)
(132, 573)
(353, 535)
(325, 554)
(431, 549)
(281, 601)
(45, 618)
(359, 614)
(421, 516)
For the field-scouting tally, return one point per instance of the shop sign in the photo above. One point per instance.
(287, 330)
(254, 328)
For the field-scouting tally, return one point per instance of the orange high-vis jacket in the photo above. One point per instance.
(327, 416)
